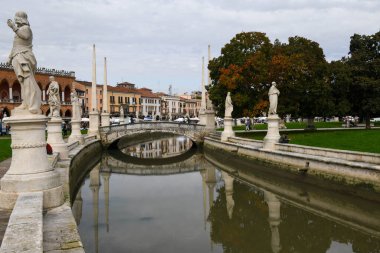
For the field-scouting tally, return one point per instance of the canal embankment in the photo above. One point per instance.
(330, 202)
(53, 230)
(336, 166)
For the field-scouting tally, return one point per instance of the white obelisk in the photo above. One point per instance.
(94, 114)
(209, 113)
(202, 111)
(105, 114)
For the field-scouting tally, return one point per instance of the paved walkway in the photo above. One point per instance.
(4, 214)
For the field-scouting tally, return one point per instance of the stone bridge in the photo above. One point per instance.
(115, 165)
(195, 132)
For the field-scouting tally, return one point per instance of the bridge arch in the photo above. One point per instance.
(110, 134)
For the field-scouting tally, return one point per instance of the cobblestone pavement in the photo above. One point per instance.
(4, 214)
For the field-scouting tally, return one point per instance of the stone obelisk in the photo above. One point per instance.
(105, 114)
(209, 113)
(202, 111)
(94, 113)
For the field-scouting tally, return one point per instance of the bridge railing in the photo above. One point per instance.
(151, 126)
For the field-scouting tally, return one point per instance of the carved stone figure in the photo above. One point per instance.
(121, 112)
(54, 99)
(24, 63)
(228, 106)
(273, 99)
(75, 104)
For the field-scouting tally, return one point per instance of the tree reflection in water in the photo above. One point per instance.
(250, 229)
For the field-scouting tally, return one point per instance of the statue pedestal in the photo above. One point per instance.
(210, 120)
(273, 134)
(94, 124)
(30, 169)
(55, 137)
(202, 117)
(105, 119)
(76, 135)
(227, 132)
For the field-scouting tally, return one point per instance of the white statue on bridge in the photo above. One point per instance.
(228, 106)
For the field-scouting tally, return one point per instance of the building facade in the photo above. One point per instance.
(10, 89)
(150, 103)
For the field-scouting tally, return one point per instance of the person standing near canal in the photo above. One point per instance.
(24, 63)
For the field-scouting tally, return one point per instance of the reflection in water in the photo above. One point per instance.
(208, 210)
(161, 148)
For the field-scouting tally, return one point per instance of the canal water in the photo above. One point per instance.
(207, 202)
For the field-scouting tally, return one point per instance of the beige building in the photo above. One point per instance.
(127, 98)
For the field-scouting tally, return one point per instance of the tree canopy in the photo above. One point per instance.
(309, 85)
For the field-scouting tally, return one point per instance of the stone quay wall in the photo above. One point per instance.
(337, 166)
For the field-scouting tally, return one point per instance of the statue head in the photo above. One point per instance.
(51, 78)
(274, 84)
(21, 18)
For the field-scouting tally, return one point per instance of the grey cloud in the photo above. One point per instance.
(157, 43)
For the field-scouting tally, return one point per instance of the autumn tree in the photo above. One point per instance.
(232, 71)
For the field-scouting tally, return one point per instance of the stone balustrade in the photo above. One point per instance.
(47, 71)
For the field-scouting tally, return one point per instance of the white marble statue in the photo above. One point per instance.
(75, 104)
(24, 63)
(273, 99)
(54, 98)
(121, 112)
(228, 106)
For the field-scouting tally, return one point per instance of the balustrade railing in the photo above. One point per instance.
(151, 126)
(48, 71)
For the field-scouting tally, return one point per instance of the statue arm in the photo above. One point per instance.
(24, 32)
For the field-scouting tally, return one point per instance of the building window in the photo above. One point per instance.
(86, 91)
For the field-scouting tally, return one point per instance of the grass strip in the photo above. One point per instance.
(354, 140)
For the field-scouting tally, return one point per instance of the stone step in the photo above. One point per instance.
(60, 231)
(24, 230)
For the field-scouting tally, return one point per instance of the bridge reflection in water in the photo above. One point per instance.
(208, 205)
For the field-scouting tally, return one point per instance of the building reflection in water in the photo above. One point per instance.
(237, 216)
(161, 148)
(94, 186)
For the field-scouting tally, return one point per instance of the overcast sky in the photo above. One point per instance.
(155, 43)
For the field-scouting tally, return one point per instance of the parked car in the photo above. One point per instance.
(148, 118)
(180, 120)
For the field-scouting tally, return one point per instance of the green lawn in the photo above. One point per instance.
(5, 148)
(356, 140)
(291, 125)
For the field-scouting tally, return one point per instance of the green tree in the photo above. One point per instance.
(364, 62)
(340, 78)
(232, 71)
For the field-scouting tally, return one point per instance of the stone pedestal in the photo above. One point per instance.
(76, 135)
(30, 170)
(105, 119)
(55, 137)
(227, 132)
(94, 124)
(121, 119)
(210, 120)
(273, 134)
(202, 117)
